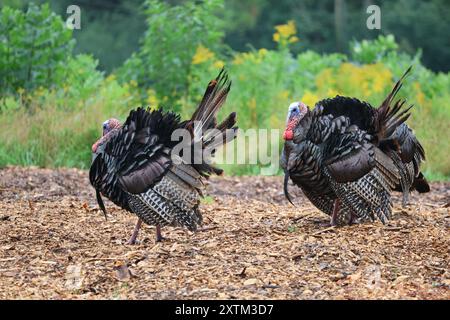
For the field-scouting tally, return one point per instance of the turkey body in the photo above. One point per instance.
(348, 156)
(136, 168)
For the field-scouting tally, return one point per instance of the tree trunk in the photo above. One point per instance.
(339, 24)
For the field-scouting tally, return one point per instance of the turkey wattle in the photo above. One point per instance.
(133, 163)
(348, 156)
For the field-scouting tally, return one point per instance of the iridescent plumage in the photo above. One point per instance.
(347, 156)
(134, 167)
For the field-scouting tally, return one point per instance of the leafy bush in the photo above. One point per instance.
(373, 51)
(174, 33)
(34, 46)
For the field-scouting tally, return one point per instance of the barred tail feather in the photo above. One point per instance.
(389, 117)
(204, 118)
(214, 97)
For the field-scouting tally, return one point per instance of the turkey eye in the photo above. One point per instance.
(105, 126)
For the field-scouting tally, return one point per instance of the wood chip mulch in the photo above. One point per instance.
(56, 244)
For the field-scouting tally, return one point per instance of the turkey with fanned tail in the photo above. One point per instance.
(348, 156)
(135, 166)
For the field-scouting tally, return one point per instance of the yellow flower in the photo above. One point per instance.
(252, 103)
(293, 39)
(285, 33)
(252, 107)
(276, 37)
(262, 52)
(152, 100)
(202, 54)
(253, 57)
(133, 83)
(276, 122)
(420, 96)
(110, 78)
(353, 80)
(218, 64)
(284, 95)
(309, 98)
(332, 93)
(366, 89)
(20, 90)
(238, 59)
(39, 92)
(325, 79)
(287, 30)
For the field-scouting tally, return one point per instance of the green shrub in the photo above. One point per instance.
(34, 46)
(367, 51)
(173, 35)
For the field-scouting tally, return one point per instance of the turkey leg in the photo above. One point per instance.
(159, 236)
(135, 232)
(405, 200)
(336, 207)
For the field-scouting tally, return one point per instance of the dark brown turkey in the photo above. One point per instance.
(135, 165)
(348, 156)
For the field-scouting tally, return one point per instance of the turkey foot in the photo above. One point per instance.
(132, 240)
(336, 207)
(405, 200)
(352, 218)
(159, 236)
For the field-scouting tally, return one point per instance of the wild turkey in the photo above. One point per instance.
(135, 165)
(348, 156)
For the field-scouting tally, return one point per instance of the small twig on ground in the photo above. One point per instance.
(393, 228)
(323, 230)
(270, 286)
(279, 232)
(106, 259)
(301, 217)
(434, 205)
(206, 228)
(437, 268)
(8, 189)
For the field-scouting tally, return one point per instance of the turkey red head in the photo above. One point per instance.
(108, 127)
(296, 112)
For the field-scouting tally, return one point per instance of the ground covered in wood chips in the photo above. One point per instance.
(55, 244)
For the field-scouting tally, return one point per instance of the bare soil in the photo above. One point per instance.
(56, 244)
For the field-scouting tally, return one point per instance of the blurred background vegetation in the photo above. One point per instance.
(58, 85)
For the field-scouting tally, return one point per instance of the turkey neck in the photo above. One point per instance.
(302, 129)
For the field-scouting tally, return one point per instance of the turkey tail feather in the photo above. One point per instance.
(204, 118)
(389, 117)
(214, 97)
